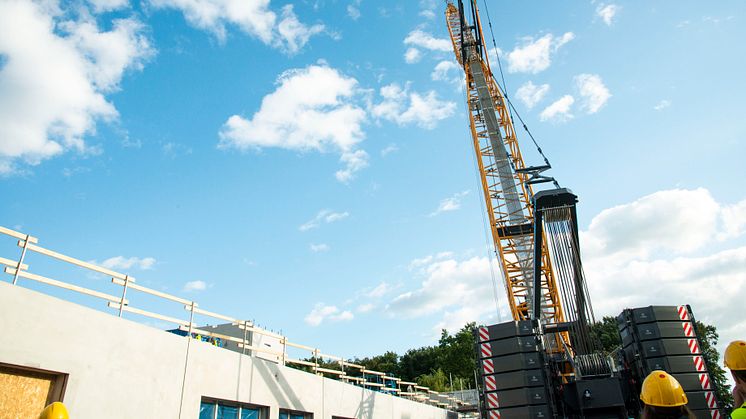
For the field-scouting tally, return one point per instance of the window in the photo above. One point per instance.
(294, 414)
(222, 409)
(26, 391)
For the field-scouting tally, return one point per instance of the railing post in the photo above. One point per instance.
(191, 319)
(316, 361)
(20, 261)
(124, 294)
(284, 350)
(245, 335)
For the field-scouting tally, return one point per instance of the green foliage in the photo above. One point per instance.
(606, 333)
(437, 380)
(417, 362)
(456, 353)
(708, 339)
(387, 363)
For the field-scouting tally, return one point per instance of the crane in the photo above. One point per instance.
(546, 362)
(507, 183)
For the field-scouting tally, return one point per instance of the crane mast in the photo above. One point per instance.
(505, 179)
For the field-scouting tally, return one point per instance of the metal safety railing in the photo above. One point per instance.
(120, 301)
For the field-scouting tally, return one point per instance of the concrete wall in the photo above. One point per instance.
(122, 369)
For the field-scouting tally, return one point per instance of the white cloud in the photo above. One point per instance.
(592, 91)
(443, 72)
(424, 40)
(427, 14)
(607, 12)
(663, 104)
(322, 312)
(253, 17)
(412, 55)
(323, 217)
(293, 32)
(365, 308)
(531, 94)
(659, 249)
(424, 261)
(379, 290)
(311, 109)
(354, 162)
(192, 286)
(451, 203)
(404, 107)
(674, 221)
(353, 10)
(534, 55)
(391, 148)
(108, 5)
(559, 110)
(55, 77)
(124, 263)
(318, 248)
(459, 290)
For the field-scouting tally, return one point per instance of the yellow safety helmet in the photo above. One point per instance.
(55, 410)
(662, 390)
(735, 355)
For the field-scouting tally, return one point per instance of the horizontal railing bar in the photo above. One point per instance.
(298, 361)
(261, 331)
(13, 263)
(299, 346)
(60, 284)
(330, 371)
(336, 358)
(18, 235)
(188, 307)
(68, 259)
(150, 291)
(133, 310)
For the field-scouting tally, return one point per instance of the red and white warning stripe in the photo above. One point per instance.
(486, 350)
(492, 402)
(693, 346)
(491, 384)
(699, 363)
(484, 334)
(704, 381)
(495, 414)
(711, 402)
(683, 313)
(715, 414)
(688, 329)
(488, 366)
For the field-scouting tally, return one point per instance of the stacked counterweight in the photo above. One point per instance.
(665, 338)
(513, 380)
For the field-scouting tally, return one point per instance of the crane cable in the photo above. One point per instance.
(504, 88)
(486, 227)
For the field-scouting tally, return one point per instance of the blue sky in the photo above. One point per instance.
(307, 165)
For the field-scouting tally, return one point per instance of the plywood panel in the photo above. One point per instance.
(24, 394)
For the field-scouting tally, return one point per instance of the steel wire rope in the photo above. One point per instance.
(485, 224)
(504, 88)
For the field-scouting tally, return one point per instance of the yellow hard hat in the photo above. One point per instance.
(662, 390)
(55, 410)
(735, 355)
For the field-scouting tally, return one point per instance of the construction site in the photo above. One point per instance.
(123, 347)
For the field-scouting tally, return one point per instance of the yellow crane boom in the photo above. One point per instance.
(505, 179)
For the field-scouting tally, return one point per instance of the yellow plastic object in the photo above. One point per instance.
(735, 355)
(662, 390)
(55, 410)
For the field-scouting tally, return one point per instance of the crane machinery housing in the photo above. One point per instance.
(546, 362)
